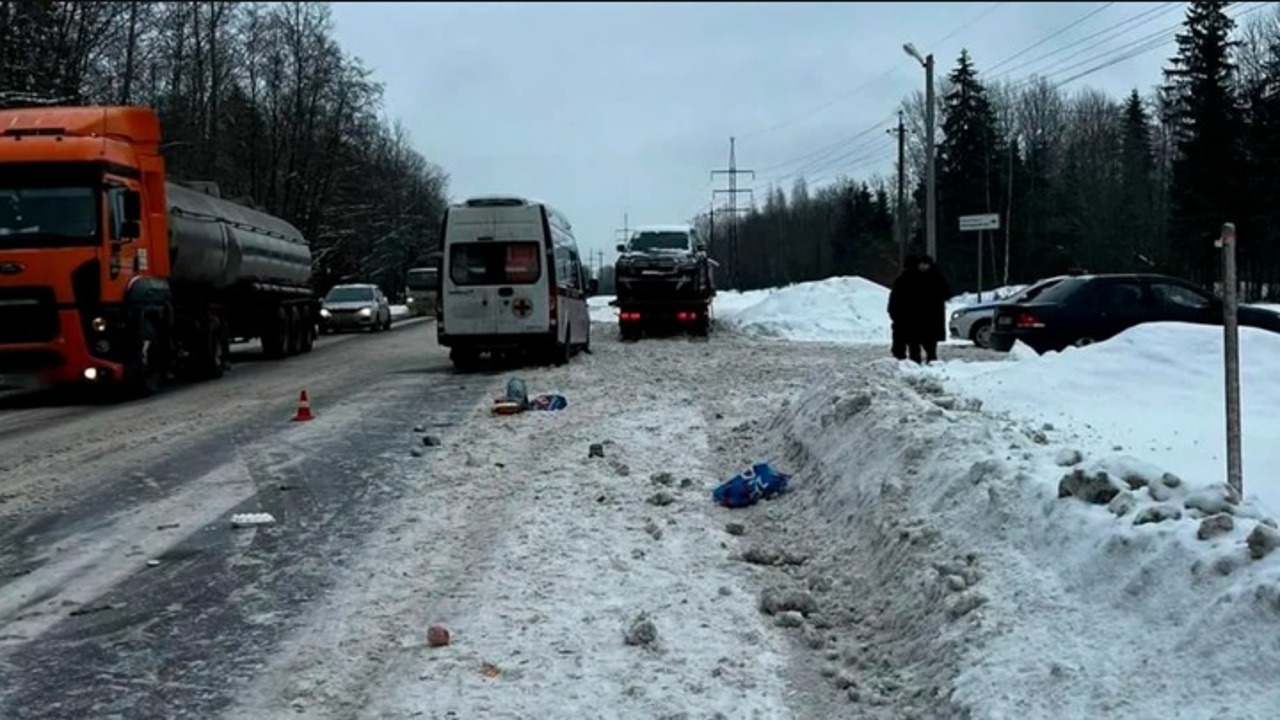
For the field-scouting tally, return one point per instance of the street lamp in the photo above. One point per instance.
(931, 206)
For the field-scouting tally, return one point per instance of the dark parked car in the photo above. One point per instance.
(1091, 308)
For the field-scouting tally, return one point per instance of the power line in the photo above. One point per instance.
(834, 147)
(1050, 36)
(1093, 41)
(1155, 44)
(1115, 56)
(859, 155)
(885, 75)
(872, 145)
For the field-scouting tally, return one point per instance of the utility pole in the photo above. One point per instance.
(899, 221)
(931, 197)
(733, 191)
(930, 179)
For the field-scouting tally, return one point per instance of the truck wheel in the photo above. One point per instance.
(215, 357)
(293, 333)
(306, 330)
(145, 374)
(274, 335)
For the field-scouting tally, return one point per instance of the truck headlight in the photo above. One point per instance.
(98, 324)
(324, 313)
(408, 301)
(366, 312)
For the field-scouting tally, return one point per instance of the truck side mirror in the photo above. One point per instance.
(130, 230)
(132, 208)
(622, 247)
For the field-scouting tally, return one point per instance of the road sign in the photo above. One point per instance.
(989, 221)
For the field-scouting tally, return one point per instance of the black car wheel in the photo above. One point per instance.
(980, 334)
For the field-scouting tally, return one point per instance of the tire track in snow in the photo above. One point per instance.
(181, 635)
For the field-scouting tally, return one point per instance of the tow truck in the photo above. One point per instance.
(665, 283)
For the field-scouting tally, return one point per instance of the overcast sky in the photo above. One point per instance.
(603, 109)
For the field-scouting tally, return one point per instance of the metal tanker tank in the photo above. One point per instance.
(216, 243)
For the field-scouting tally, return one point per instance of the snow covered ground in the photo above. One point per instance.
(995, 536)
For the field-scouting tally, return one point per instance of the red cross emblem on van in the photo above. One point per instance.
(522, 307)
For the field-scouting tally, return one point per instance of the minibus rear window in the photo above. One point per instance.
(495, 263)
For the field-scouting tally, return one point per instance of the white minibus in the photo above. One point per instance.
(511, 281)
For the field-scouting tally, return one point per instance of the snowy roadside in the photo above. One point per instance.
(544, 564)
(933, 568)
(1132, 596)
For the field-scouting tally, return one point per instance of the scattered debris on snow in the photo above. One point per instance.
(248, 520)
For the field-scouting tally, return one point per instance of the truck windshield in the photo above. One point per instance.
(349, 294)
(48, 217)
(422, 279)
(645, 241)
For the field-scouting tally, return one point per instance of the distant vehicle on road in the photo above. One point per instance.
(664, 278)
(422, 290)
(975, 322)
(355, 306)
(512, 282)
(1082, 310)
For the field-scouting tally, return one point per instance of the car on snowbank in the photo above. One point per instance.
(975, 322)
(1085, 309)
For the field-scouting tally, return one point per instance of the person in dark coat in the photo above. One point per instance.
(929, 292)
(898, 320)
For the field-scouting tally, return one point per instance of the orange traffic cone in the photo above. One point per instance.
(304, 408)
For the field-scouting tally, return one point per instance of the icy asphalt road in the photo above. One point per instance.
(124, 591)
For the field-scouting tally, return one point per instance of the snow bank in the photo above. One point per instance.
(1156, 391)
(600, 310)
(982, 590)
(847, 310)
(842, 309)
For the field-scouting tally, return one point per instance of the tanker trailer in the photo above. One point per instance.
(111, 275)
(254, 268)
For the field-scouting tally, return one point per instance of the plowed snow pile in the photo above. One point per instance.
(842, 309)
(1103, 603)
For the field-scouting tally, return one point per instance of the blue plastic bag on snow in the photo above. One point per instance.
(751, 485)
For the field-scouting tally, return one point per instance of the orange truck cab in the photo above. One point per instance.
(109, 274)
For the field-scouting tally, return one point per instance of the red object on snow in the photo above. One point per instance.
(304, 408)
(437, 636)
